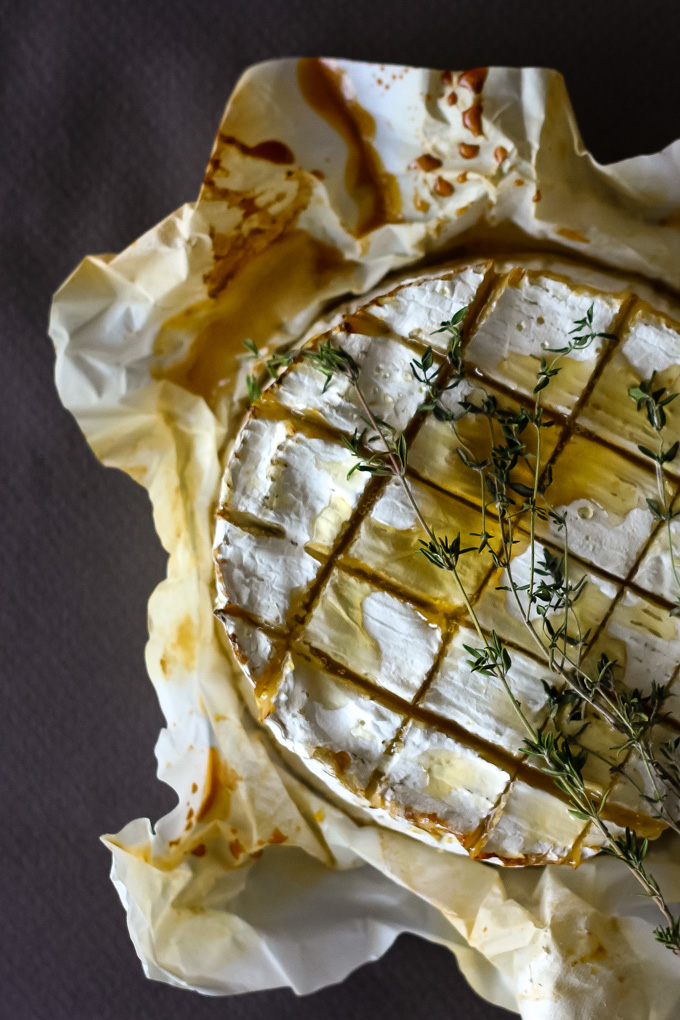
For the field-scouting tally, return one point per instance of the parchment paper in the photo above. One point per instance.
(255, 880)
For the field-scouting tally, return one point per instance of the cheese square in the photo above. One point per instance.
(380, 637)
(416, 311)
(264, 575)
(534, 827)
(389, 543)
(650, 343)
(254, 649)
(434, 453)
(635, 791)
(283, 478)
(602, 741)
(655, 572)
(440, 785)
(643, 639)
(325, 718)
(480, 704)
(385, 378)
(530, 313)
(498, 609)
(605, 497)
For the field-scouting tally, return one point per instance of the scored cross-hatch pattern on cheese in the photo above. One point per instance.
(354, 642)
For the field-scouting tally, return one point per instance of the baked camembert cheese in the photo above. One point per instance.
(355, 644)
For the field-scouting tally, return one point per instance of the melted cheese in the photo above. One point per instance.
(355, 644)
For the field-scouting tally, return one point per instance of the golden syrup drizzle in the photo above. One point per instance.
(375, 192)
(269, 288)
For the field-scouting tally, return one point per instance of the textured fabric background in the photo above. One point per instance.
(108, 111)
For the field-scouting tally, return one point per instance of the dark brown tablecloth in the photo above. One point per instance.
(108, 115)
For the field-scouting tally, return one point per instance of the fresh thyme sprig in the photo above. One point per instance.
(548, 591)
(624, 710)
(654, 402)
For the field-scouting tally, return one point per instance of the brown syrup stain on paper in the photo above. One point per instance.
(182, 648)
(272, 150)
(572, 235)
(375, 191)
(268, 270)
(237, 848)
(671, 221)
(220, 782)
(184, 644)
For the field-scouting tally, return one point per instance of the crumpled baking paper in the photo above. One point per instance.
(315, 191)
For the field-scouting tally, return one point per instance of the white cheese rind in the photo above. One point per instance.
(604, 495)
(479, 703)
(416, 311)
(375, 634)
(389, 543)
(260, 574)
(255, 649)
(434, 775)
(531, 314)
(533, 823)
(611, 544)
(644, 640)
(649, 346)
(652, 345)
(314, 712)
(301, 485)
(385, 378)
(655, 572)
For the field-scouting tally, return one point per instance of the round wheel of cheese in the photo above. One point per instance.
(355, 644)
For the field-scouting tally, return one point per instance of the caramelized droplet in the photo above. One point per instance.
(365, 324)
(426, 163)
(420, 203)
(500, 153)
(343, 760)
(447, 77)
(472, 119)
(452, 99)
(443, 187)
(474, 79)
(537, 195)
(468, 151)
